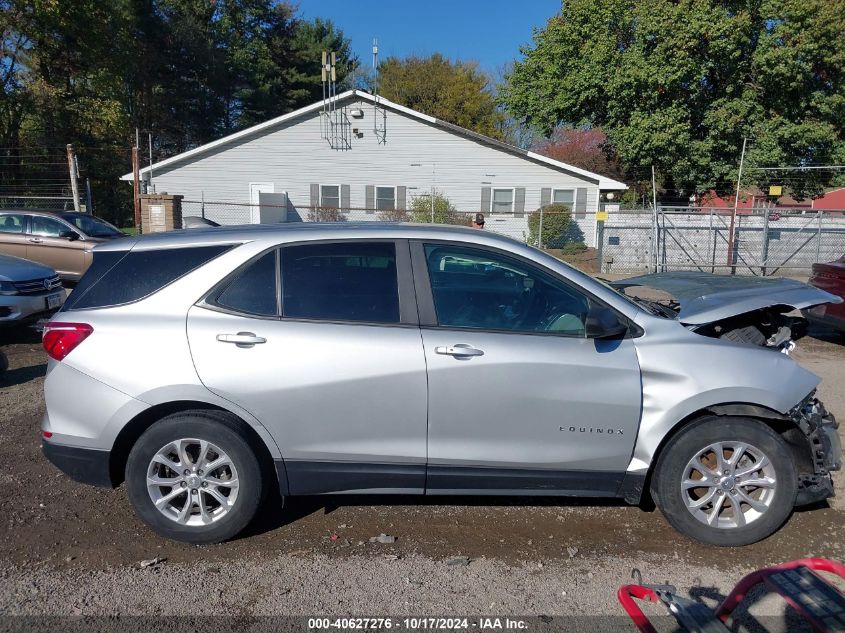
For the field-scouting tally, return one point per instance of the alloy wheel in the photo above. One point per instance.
(728, 484)
(192, 482)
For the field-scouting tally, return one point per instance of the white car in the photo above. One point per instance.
(28, 291)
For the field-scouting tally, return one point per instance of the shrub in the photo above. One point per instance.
(573, 248)
(558, 227)
(326, 214)
(394, 215)
(444, 212)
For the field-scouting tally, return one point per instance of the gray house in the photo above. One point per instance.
(365, 156)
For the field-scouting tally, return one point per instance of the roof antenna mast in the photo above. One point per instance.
(379, 113)
(334, 124)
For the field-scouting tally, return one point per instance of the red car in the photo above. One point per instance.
(829, 277)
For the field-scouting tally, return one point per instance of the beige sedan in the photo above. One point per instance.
(61, 240)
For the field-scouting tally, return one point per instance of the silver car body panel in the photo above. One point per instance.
(683, 373)
(351, 396)
(532, 401)
(71, 418)
(706, 298)
(325, 391)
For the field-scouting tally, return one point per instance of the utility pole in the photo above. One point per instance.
(731, 240)
(89, 200)
(432, 191)
(151, 188)
(654, 204)
(136, 188)
(74, 185)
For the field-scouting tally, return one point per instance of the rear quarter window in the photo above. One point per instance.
(119, 277)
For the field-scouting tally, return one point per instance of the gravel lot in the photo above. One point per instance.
(69, 549)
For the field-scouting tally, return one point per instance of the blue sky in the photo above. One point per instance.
(487, 31)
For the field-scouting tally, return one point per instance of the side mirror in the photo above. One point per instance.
(602, 323)
(69, 235)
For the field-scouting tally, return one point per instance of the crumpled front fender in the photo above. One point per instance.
(684, 373)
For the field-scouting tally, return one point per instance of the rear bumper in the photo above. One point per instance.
(86, 465)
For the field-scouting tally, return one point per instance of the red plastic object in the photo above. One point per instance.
(814, 599)
(755, 578)
(626, 595)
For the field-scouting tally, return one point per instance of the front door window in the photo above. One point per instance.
(47, 227)
(478, 289)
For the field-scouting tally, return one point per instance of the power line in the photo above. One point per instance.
(798, 167)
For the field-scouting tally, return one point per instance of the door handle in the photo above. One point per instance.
(241, 339)
(36, 240)
(458, 350)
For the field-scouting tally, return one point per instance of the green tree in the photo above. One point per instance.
(679, 84)
(456, 92)
(90, 72)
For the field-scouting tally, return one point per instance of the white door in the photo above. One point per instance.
(256, 188)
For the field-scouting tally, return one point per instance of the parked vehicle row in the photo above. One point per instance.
(62, 240)
(416, 359)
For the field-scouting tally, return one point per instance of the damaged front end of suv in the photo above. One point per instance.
(820, 430)
(760, 313)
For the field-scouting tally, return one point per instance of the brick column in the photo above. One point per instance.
(160, 212)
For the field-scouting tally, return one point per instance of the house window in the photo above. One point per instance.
(330, 196)
(564, 196)
(502, 201)
(385, 198)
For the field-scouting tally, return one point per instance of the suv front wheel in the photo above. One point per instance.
(726, 481)
(193, 478)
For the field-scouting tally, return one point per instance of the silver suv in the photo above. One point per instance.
(206, 367)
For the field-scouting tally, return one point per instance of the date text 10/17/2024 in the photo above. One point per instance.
(419, 623)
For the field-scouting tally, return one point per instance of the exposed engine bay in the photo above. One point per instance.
(771, 327)
(766, 328)
(760, 311)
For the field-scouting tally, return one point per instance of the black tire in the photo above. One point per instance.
(689, 442)
(223, 434)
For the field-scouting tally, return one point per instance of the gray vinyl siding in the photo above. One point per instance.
(293, 156)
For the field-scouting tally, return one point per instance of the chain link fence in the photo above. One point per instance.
(557, 228)
(765, 242)
(46, 203)
(769, 241)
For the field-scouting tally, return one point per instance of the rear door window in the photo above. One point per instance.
(127, 276)
(12, 223)
(342, 281)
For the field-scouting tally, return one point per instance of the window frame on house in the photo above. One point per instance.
(320, 196)
(376, 197)
(493, 191)
(571, 190)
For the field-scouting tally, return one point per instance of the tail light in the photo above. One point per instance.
(60, 339)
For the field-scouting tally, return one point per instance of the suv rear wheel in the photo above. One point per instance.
(193, 478)
(726, 481)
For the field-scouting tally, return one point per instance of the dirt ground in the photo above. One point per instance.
(70, 549)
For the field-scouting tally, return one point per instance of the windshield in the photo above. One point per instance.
(92, 226)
